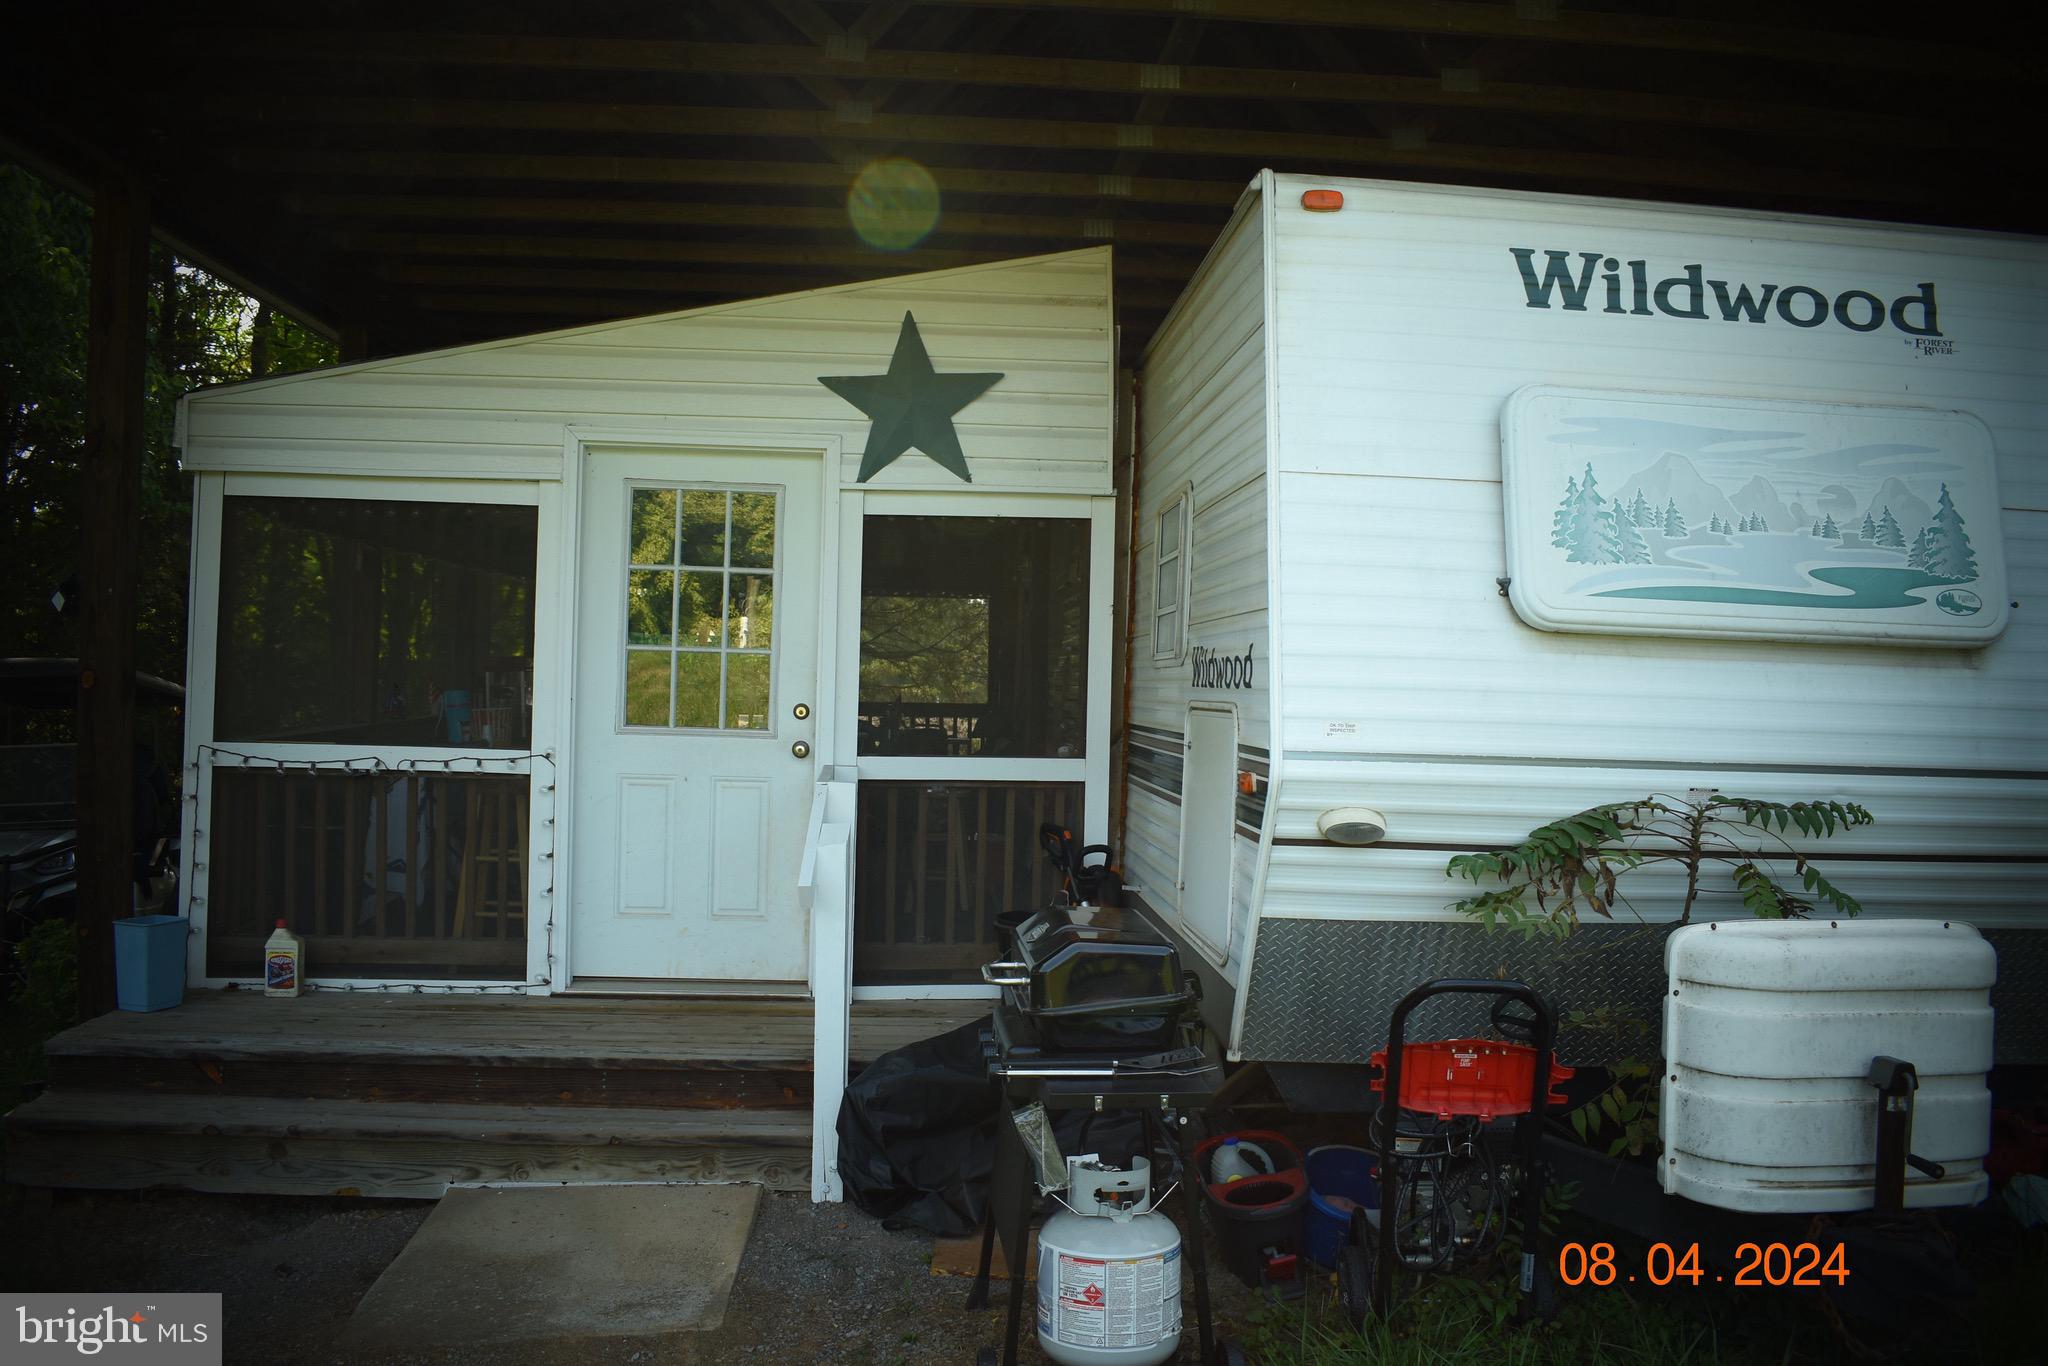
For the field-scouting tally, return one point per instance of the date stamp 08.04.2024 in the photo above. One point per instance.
(1757, 1264)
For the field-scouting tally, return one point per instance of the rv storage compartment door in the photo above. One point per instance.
(1208, 827)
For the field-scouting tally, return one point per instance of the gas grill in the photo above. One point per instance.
(1089, 982)
(1095, 1015)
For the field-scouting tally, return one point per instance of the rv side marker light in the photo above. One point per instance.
(1322, 201)
(1352, 825)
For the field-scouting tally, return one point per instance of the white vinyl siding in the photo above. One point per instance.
(1409, 684)
(499, 410)
(1202, 425)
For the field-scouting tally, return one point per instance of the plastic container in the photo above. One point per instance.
(1770, 1027)
(455, 714)
(284, 963)
(1238, 1158)
(1255, 1217)
(1479, 1077)
(149, 962)
(1337, 1172)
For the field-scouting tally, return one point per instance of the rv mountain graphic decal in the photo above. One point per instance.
(1625, 287)
(1752, 517)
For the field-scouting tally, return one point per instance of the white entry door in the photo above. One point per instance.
(697, 660)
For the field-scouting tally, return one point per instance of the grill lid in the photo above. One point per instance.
(1092, 961)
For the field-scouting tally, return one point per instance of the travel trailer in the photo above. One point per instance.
(1459, 511)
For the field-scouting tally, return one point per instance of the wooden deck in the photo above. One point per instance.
(403, 1095)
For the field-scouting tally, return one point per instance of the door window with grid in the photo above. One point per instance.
(700, 609)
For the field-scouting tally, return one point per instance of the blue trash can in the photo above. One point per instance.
(1336, 1170)
(149, 962)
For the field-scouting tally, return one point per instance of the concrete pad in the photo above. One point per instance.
(515, 1264)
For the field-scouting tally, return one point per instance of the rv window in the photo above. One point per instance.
(1170, 578)
(360, 621)
(974, 637)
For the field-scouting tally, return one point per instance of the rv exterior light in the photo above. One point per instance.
(1352, 825)
(1322, 201)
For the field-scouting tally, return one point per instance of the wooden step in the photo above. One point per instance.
(704, 1084)
(255, 1145)
(509, 1051)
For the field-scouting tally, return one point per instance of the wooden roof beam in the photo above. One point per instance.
(573, 305)
(450, 208)
(441, 275)
(816, 66)
(1623, 172)
(1541, 22)
(326, 163)
(1174, 264)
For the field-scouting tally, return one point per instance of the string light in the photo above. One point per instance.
(372, 764)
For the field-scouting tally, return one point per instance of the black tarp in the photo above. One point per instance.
(917, 1134)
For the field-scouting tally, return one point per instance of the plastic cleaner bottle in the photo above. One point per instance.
(1233, 1161)
(284, 963)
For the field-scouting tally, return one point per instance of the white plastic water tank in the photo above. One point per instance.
(1769, 1030)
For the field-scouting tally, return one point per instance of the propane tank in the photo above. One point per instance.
(1108, 1271)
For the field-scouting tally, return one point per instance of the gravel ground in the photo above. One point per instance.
(819, 1283)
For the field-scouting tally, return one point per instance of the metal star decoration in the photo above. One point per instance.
(912, 405)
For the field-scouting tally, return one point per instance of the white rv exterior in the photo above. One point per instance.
(1335, 393)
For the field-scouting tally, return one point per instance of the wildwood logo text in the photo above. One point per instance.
(1618, 286)
(1213, 670)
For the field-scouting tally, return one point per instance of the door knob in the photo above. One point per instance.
(801, 749)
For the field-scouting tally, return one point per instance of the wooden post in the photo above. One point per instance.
(110, 499)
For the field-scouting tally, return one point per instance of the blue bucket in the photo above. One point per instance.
(1343, 1171)
(149, 962)
(455, 714)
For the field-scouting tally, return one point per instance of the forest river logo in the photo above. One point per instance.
(1689, 295)
(1212, 670)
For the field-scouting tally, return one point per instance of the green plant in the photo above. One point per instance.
(42, 1000)
(1629, 1104)
(1573, 866)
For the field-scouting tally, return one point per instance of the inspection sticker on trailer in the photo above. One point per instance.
(1111, 1302)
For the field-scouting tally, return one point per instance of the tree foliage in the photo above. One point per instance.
(1572, 867)
(1949, 553)
(201, 332)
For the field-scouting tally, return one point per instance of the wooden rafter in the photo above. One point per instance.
(319, 163)
(380, 172)
(498, 246)
(1546, 21)
(1536, 163)
(821, 67)
(461, 208)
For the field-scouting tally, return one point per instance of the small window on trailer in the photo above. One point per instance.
(1171, 580)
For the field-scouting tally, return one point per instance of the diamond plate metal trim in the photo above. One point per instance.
(1323, 990)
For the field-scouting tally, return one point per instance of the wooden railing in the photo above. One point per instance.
(384, 874)
(939, 861)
